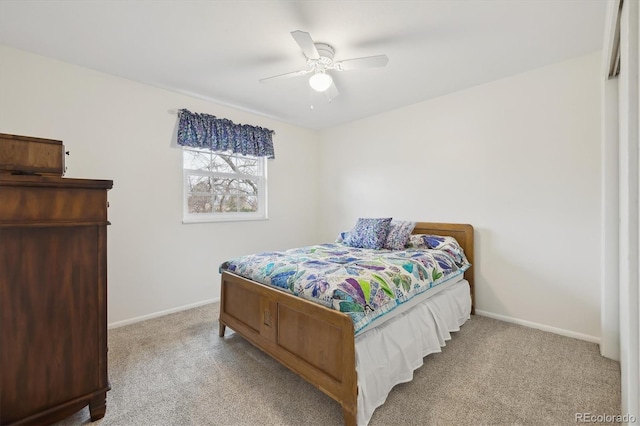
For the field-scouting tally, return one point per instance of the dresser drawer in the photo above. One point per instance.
(38, 201)
(52, 205)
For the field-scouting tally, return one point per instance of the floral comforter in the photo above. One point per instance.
(363, 283)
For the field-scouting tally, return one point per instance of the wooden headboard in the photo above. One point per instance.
(463, 233)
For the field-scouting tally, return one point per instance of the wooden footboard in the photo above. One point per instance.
(315, 342)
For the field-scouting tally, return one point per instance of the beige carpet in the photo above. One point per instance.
(175, 370)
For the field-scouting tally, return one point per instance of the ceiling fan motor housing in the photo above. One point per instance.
(325, 60)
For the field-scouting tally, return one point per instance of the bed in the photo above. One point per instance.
(319, 343)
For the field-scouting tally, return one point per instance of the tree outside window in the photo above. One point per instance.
(223, 186)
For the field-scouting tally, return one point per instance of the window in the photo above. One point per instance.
(221, 186)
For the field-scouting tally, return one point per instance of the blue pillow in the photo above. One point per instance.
(399, 233)
(369, 233)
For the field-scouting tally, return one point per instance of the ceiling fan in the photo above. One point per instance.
(320, 61)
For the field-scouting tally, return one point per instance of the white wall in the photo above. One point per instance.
(121, 130)
(519, 159)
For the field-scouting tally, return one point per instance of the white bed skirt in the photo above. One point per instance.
(388, 354)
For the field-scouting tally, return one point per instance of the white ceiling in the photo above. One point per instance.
(218, 50)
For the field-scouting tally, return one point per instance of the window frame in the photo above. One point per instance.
(260, 178)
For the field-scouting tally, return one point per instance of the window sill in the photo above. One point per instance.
(191, 220)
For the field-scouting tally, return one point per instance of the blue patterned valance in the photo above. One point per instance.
(219, 134)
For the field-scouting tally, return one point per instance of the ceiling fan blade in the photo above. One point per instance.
(361, 63)
(332, 91)
(306, 43)
(285, 76)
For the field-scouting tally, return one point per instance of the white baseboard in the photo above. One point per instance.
(505, 318)
(161, 313)
(542, 327)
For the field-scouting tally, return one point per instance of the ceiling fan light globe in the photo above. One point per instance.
(320, 81)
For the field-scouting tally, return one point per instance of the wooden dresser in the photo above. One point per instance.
(53, 298)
